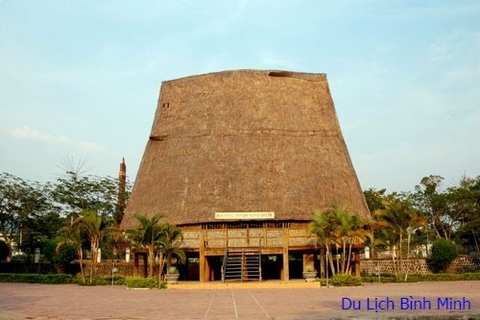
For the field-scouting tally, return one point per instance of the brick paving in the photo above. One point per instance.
(269, 300)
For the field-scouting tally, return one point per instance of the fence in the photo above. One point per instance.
(415, 266)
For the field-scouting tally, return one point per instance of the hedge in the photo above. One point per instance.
(139, 282)
(36, 278)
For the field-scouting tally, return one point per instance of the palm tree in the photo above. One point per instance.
(321, 226)
(402, 219)
(344, 221)
(149, 235)
(73, 236)
(356, 234)
(375, 233)
(340, 227)
(95, 228)
(170, 244)
(397, 216)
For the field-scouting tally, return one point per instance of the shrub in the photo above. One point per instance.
(100, 281)
(61, 256)
(345, 280)
(4, 250)
(172, 270)
(139, 282)
(443, 253)
(36, 278)
(20, 258)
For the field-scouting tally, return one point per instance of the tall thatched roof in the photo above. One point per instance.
(244, 141)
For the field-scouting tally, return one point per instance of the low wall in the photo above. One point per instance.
(107, 268)
(415, 266)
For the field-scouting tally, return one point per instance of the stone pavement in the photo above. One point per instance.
(268, 300)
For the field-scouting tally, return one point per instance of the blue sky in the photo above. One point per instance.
(80, 79)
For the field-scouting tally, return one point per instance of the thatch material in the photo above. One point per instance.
(243, 141)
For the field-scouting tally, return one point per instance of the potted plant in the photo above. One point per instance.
(309, 273)
(172, 275)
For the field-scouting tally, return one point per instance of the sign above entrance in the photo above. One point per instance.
(244, 215)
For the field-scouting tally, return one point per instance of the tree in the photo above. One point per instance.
(443, 253)
(434, 205)
(21, 202)
(59, 256)
(321, 226)
(95, 229)
(400, 219)
(464, 203)
(397, 214)
(356, 234)
(149, 235)
(378, 234)
(71, 235)
(4, 250)
(170, 244)
(75, 193)
(347, 228)
(339, 227)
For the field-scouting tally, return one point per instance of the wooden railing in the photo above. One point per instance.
(221, 236)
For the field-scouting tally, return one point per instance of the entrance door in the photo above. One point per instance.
(295, 265)
(272, 267)
(215, 263)
(192, 267)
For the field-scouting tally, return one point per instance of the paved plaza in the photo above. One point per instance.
(219, 301)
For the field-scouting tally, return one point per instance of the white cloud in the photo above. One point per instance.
(89, 146)
(27, 133)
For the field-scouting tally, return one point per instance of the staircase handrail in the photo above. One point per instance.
(259, 259)
(224, 264)
(243, 262)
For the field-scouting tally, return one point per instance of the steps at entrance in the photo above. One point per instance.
(268, 284)
(243, 265)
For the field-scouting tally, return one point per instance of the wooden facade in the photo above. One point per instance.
(282, 239)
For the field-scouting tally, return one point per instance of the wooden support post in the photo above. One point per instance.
(135, 264)
(204, 271)
(145, 264)
(357, 262)
(285, 276)
(322, 263)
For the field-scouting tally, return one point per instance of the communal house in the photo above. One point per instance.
(240, 160)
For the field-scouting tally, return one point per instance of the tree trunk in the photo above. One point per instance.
(400, 247)
(160, 268)
(475, 237)
(322, 265)
(151, 260)
(408, 254)
(80, 259)
(336, 258)
(330, 259)
(349, 255)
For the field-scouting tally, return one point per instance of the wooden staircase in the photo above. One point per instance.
(242, 264)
